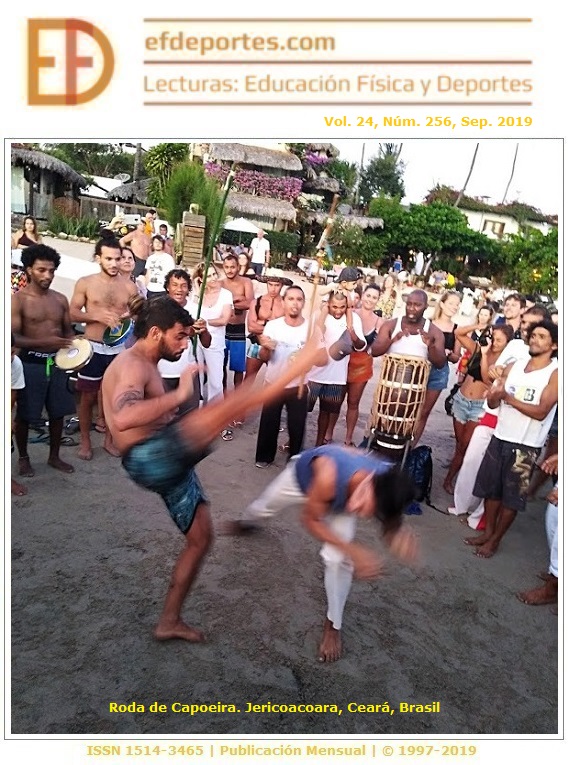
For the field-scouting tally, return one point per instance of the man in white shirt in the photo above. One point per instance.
(329, 383)
(280, 342)
(526, 396)
(159, 264)
(260, 253)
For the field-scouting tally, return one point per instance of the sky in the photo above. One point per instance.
(537, 180)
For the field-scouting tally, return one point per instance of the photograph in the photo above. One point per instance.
(303, 477)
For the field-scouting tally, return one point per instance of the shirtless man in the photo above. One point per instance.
(141, 244)
(235, 342)
(100, 301)
(41, 326)
(262, 310)
(159, 454)
(332, 486)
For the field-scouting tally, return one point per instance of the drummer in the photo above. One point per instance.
(100, 301)
(41, 326)
(412, 335)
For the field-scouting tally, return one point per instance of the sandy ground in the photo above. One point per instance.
(91, 557)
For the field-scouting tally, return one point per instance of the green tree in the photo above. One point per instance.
(346, 240)
(384, 173)
(346, 173)
(188, 184)
(160, 162)
(531, 261)
(106, 159)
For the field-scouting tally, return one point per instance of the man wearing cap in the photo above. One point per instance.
(260, 252)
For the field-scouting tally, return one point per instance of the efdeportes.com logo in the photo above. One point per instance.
(65, 55)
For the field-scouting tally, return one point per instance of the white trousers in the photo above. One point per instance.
(285, 493)
(464, 501)
(551, 524)
(213, 359)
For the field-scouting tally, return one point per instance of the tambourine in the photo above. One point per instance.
(119, 334)
(74, 357)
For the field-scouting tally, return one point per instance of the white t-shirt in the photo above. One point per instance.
(224, 298)
(17, 369)
(335, 372)
(157, 266)
(289, 340)
(173, 369)
(259, 248)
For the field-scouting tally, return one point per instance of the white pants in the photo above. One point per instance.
(464, 501)
(213, 359)
(285, 493)
(551, 524)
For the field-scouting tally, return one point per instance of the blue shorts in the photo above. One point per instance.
(235, 352)
(438, 378)
(330, 396)
(164, 464)
(467, 409)
(46, 386)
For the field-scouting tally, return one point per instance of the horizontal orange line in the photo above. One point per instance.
(343, 63)
(241, 20)
(377, 104)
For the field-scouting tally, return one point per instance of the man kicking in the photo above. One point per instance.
(333, 485)
(159, 452)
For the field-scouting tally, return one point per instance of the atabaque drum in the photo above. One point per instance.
(397, 401)
(119, 334)
(75, 356)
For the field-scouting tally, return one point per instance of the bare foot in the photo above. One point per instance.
(178, 631)
(487, 550)
(25, 468)
(540, 596)
(85, 452)
(58, 464)
(330, 644)
(112, 450)
(18, 489)
(475, 541)
(239, 528)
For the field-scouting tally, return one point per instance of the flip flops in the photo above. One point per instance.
(227, 434)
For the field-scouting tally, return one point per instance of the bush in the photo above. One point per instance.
(64, 224)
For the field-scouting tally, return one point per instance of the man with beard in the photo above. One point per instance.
(513, 308)
(526, 396)
(159, 452)
(100, 301)
(41, 326)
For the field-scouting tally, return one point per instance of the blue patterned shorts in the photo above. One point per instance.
(164, 464)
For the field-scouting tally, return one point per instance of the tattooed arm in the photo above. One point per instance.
(131, 403)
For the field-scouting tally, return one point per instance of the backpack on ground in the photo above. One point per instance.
(419, 467)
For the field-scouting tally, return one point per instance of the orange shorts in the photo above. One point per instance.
(360, 367)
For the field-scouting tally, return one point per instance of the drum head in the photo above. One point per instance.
(76, 356)
(119, 334)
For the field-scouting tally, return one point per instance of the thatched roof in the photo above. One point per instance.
(329, 148)
(359, 220)
(321, 183)
(248, 204)
(47, 162)
(135, 191)
(254, 155)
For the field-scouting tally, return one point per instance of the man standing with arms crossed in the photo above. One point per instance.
(241, 289)
(100, 301)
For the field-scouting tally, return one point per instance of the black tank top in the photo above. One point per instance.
(450, 339)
